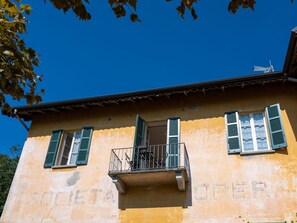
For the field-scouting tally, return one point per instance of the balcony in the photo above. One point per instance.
(149, 165)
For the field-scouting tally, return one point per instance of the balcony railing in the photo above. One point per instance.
(149, 158)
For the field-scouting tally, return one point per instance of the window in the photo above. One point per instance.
(253, 132)
(257, 131)
(68, 148)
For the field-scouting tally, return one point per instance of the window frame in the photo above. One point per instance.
(61, 148)
(253, 131)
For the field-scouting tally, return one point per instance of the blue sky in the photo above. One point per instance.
(108, 55)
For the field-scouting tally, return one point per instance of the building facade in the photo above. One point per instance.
(220, 151)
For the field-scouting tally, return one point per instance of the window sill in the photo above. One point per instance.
(257, 152)
(64, 166)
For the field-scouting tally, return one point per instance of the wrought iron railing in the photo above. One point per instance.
(149, 157)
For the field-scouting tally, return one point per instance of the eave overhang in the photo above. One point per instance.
(28, 112)
(290, 65)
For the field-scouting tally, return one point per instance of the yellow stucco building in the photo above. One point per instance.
(220, 151)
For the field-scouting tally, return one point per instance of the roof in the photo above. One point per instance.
(27, 112)
(290, 65)
(289, 70)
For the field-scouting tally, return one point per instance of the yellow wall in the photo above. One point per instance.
(223, 188)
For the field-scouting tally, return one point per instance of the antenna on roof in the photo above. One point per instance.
(265, 69)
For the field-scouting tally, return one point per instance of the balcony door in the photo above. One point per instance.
(161, 138)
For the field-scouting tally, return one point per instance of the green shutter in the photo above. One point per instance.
(53, 149)
(139, 140)
(139, 131)
(233, 136)
(84, 147)
(276, 129)
(173, 146)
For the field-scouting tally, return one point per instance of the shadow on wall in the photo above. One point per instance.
(291, 113)
(156, 196)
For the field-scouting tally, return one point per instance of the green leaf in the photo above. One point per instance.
(17, 61)
(26, 8)
(9, 53)
(8, 165)
(12, 9)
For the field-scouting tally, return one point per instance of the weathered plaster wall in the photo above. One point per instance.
(223, 188)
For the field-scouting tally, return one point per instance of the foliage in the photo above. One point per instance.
(120, 7)
(17, 61)
(8, 166)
